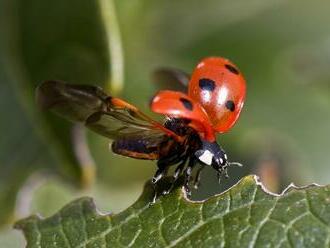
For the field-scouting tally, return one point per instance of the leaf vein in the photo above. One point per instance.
(135, 238)
(201, 223)
(66, 240)
(160, 227)
(38, 233)
(318, 218)
(111, 229)
(84, 224)
(262, 223)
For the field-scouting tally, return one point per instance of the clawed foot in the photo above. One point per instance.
(158, 185)
(198, 177)
(187, 190)
(196, 185)
(222, 172)
(179, 171)
(158, 175)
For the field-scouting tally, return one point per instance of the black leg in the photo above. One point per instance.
(154, 198)
(163, 166)
(198, 177)
(225, 172)
(176, 175)
(162, 169)
(179, 169)
(187, 172)
(219, 177)
(164, 163)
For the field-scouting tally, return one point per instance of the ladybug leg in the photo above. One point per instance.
(188, 170)
(158, 175)
(198, 177)
(179, 169)
(155, 196)
(224, 173)
(162, 169)
(219, 177)
(176, 175)
(163, 166)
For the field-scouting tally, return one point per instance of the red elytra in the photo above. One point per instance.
(216, 94)
(178, 104)
(220, 88)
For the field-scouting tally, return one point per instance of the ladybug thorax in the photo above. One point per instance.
(220, 88)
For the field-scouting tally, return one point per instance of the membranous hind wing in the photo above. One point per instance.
(134, 134)
(171, 78)
(71, 101)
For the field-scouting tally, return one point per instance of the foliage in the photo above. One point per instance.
(245, 216)
(52, 48)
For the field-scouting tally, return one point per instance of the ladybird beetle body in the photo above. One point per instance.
(219, 87)
(211, 104)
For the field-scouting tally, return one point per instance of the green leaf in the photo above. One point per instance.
(246, 216)
(45, 40)
(59, 40)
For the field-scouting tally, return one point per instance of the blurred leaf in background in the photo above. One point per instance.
(282, 47)
(42, 40)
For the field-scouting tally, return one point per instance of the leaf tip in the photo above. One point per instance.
(25, 223)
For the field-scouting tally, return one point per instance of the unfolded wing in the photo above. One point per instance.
(134, 133)
(71, 101)
(171, 79)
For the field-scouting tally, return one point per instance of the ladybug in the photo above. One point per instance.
(196, 108)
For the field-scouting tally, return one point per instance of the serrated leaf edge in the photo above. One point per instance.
(179, 190)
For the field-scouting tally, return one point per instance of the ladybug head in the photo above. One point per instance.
(213, 155)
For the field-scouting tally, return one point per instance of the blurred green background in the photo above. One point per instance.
(282, 48)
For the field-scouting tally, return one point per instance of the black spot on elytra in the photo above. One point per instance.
(206, 84)
(230, 105)
(232, 69)
(187, 104)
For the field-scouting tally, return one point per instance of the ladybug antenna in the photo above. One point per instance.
(235, 163)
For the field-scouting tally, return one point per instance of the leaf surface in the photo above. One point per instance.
(245, 215)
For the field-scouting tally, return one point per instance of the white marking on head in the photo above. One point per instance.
(221, 160)
(206, 157)
(225, 155)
